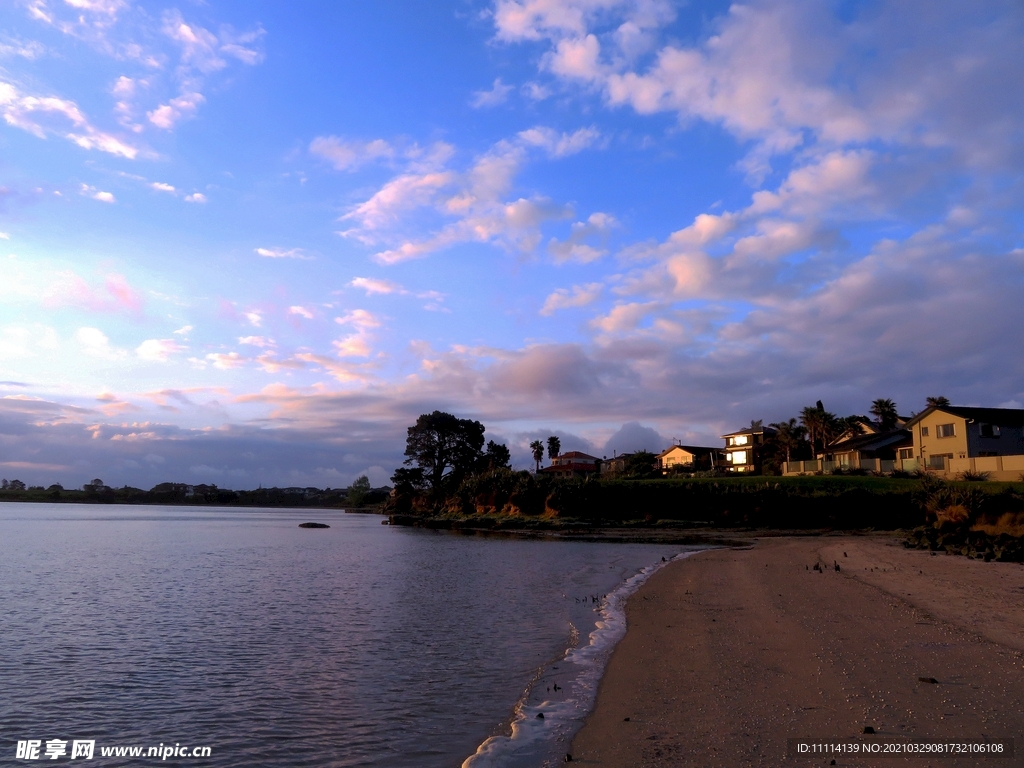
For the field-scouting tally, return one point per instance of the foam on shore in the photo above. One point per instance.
(537, 741)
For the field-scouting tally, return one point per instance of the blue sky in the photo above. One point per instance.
(249, 242)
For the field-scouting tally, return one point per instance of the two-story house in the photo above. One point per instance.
(953, 438)
(572, 463)
(743, 448)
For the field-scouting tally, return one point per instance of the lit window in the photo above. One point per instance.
(740, 440)
(738, 457)
(945, 430)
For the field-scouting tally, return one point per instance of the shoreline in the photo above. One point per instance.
(731, 652)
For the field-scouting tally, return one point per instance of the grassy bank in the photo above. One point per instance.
(812, 502)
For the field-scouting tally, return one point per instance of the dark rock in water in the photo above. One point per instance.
(313, 525)
(540, 715)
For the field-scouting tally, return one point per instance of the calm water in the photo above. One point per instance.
(360, 645)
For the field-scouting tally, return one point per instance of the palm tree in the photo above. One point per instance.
(884, 411)
(937, 402)
(821, 425)
(789, 435)
(538, 452)
(554, 447)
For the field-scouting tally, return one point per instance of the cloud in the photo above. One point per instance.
(255, 318)
(49, 115)
(195, 197)
(166, 116)
(159, 186)
(226, 361)
(560, 144)
(581, 296)
(256, 341)
(498, 94)
(374, 285)
(71, 290)
(301, 312)
(93, 342)
(575, 248)
(633, 436)
(349, 155)
(282, 253)
(95, 194)
(158, 350)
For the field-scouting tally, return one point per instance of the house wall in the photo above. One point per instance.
(677, 456)
(1010, 441)
(931, 445)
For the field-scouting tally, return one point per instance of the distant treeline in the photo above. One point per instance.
(96, 492)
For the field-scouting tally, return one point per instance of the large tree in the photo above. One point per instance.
(937, 402)
(884, 411)
(444, 447)
(538, 452)
(554, 447)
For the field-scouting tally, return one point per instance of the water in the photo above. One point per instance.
(358, 645)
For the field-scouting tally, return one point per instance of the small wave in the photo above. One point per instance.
(539, 729)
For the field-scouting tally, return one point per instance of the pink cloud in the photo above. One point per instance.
(116, 295)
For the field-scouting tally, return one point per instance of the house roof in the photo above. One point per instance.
(689, 449)
(872, 442)
(574, 467)
(750, 431)
(576, 455)
(1009, 417)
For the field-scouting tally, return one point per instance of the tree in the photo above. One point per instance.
(16, 485)
(408, 482)
(554, 447)
(497, 456)
(641, 464)
(937, 402)
(789, 435)
(358, 491)
(822, 427)
(445, 447)
(884, 411)
(538, 452)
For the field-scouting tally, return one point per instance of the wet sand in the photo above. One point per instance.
(731, 652)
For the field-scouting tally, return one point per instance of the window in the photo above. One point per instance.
(906, 453)
(924, 431)
(738, 440)
(738, 457)
(937, 461)
(945, 430)
(988, 430)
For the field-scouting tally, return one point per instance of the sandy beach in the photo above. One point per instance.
(733, 651)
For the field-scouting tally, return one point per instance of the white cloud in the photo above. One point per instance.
(374, 285)
(43, 115)
(301, 312)
(167, 115)
(158, 350)
(160, 186)
(348, 155)
(226, 361)
(575, 248)
(256, 341)
(581, 296)
(498, 94)
(185, 330)
(93, 342)
(560, 144)
(282, 253)
(254, 318)
(195, 197)
(96, 194)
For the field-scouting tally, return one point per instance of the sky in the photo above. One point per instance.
(248, 243)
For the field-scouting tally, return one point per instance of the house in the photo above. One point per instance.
(743, 448)
(616, 465)
(693, 456)
(572, 464)
(872, 450)
(954, 439)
